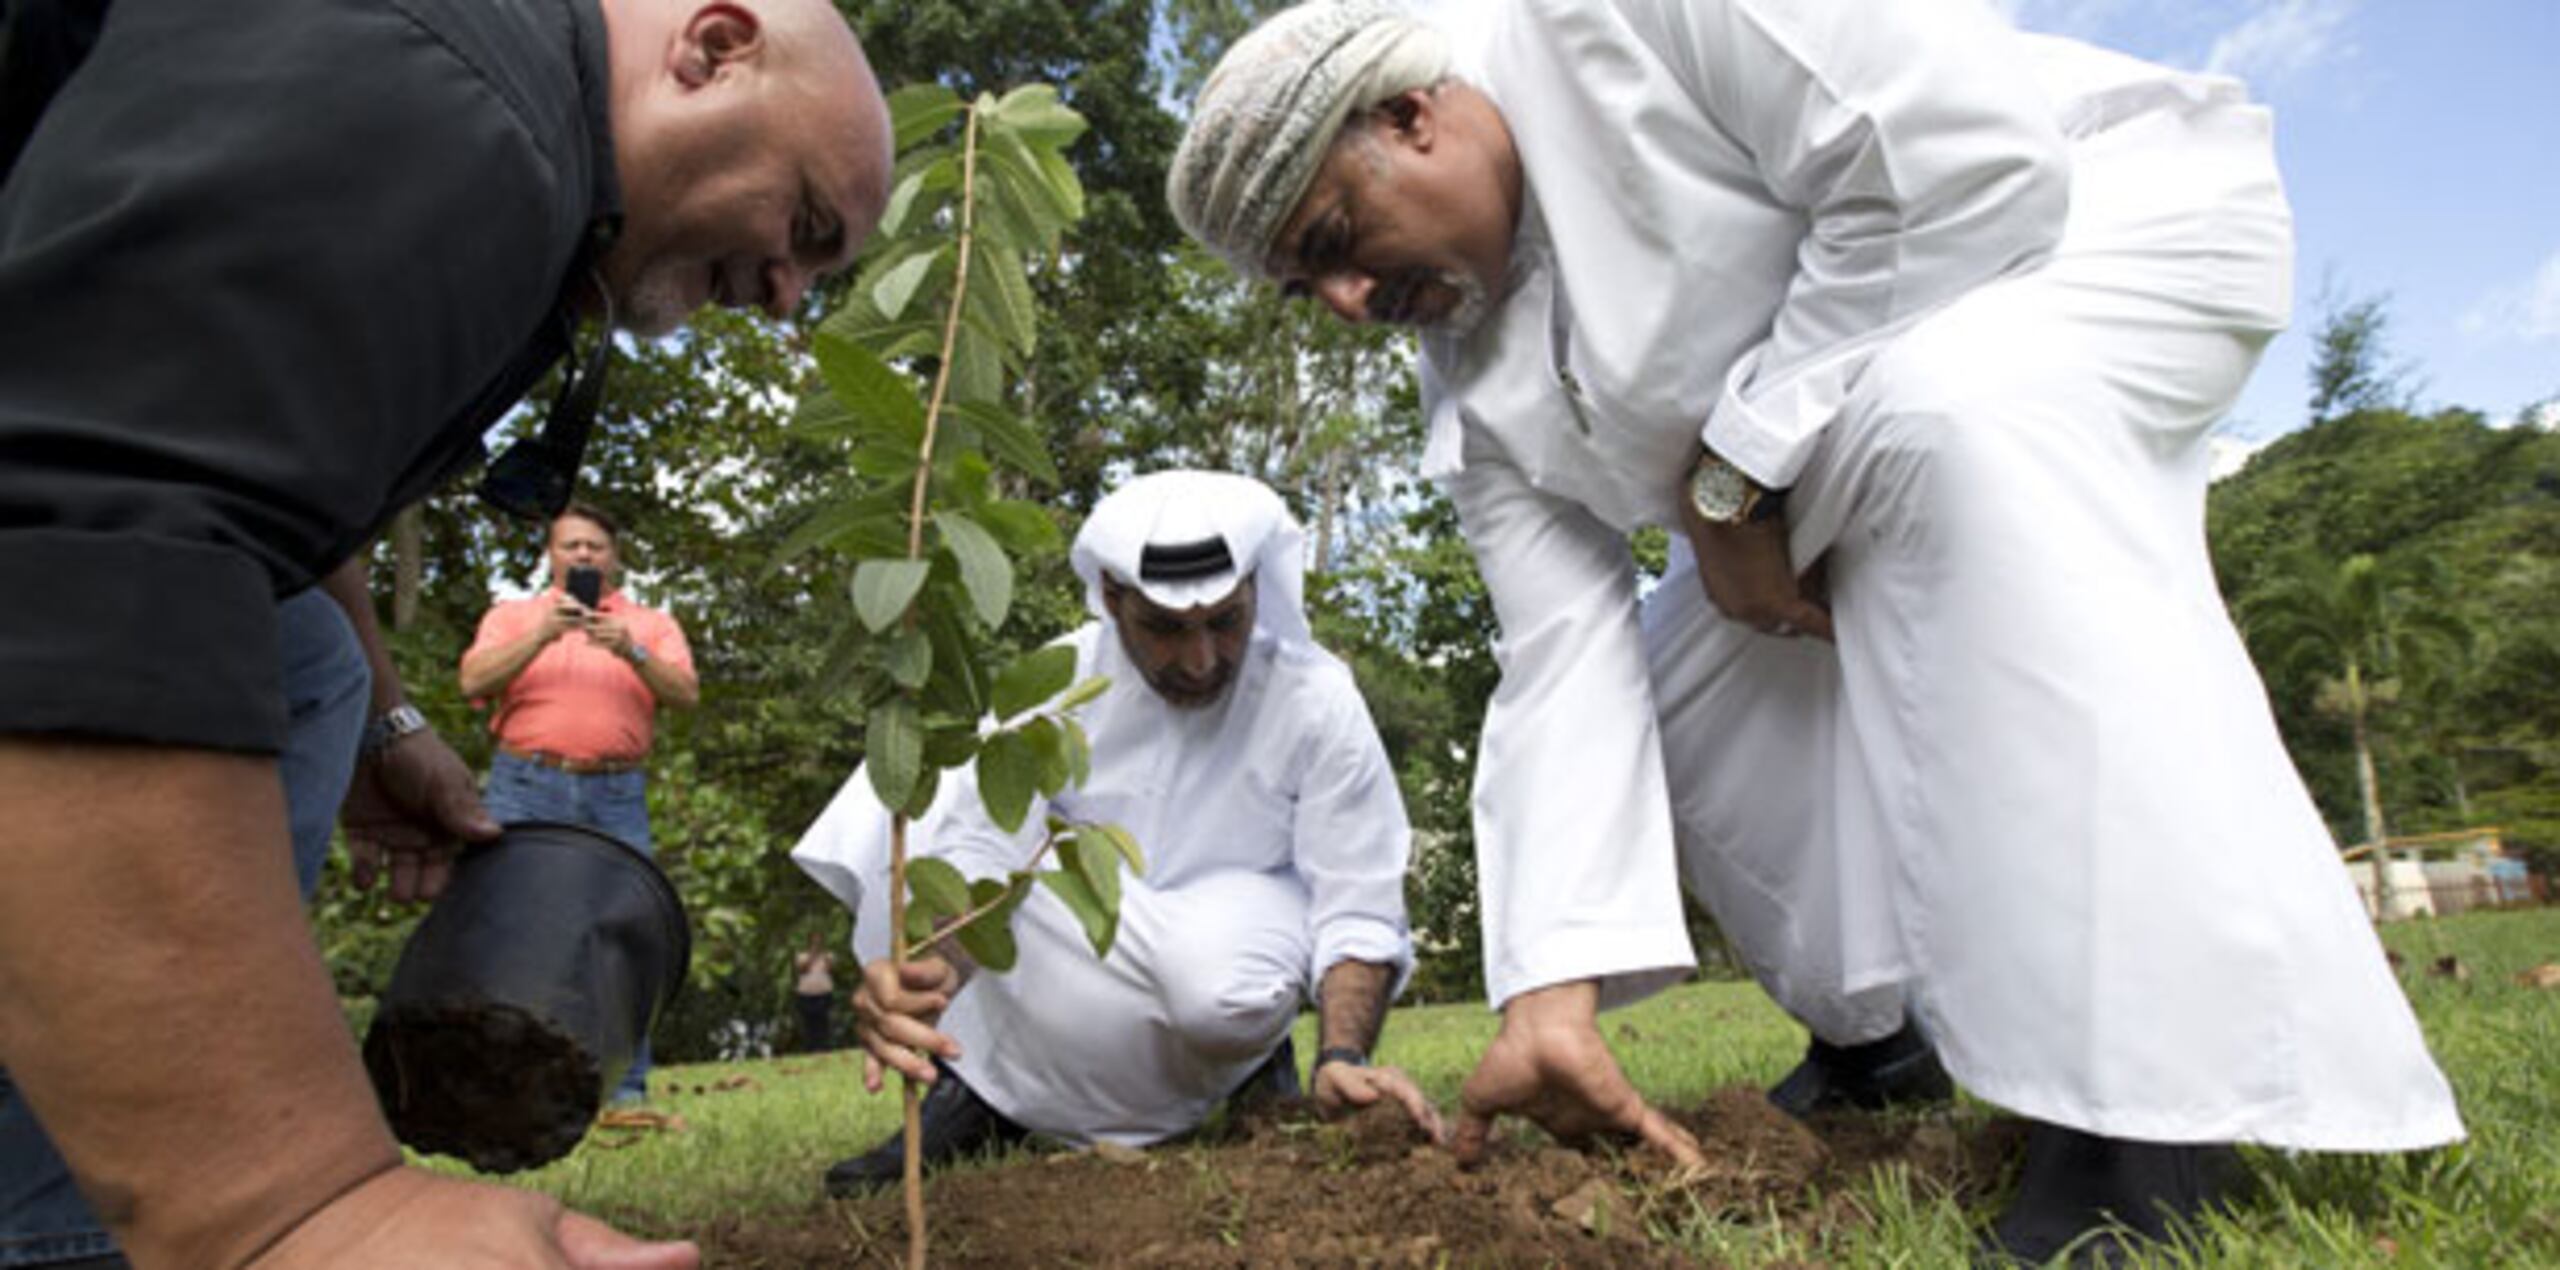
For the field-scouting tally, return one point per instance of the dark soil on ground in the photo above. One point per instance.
(1286, 1189)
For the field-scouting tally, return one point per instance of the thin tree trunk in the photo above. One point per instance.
(2370, 787)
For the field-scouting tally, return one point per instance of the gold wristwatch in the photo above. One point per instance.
(1722, 494)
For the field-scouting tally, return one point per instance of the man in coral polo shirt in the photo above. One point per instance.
(577, 686)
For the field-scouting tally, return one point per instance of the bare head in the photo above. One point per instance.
(754, 151)
(584, 535)
(1333, 152)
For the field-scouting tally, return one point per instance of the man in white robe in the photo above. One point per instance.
(1912, 328)
(1241, 757)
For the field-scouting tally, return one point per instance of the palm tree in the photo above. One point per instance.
(2360, 625)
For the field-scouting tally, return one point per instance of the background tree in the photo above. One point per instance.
(2360, 626)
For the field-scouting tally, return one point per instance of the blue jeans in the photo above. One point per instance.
(327, 685)
(615, 803)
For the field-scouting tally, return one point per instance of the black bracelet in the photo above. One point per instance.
(1337, 1054)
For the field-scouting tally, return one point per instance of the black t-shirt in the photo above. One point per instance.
(268, 269)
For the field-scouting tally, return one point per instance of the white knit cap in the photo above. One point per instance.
(1269, 113)
(1185, 539)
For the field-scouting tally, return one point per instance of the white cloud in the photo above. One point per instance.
(2528, 311)
(2283, 38)
(2230, 453)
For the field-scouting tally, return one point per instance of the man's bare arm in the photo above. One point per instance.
(486, 672)
(148, 897)
(1351, 1005)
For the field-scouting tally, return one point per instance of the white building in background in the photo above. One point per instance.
(2442, 873)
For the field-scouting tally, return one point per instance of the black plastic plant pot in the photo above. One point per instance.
(524, 993)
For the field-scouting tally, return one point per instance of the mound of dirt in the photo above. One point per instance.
(1286, 1189)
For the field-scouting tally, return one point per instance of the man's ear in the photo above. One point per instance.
(1411, 117)
(717, 34)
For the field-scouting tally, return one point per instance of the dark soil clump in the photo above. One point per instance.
(488, 1083)
(1282, 1188)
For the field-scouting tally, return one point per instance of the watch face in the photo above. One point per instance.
(1719, 491)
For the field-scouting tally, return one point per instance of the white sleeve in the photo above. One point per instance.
(1916, 140)
(847, 849)
(1351, 839)
(1574, 855)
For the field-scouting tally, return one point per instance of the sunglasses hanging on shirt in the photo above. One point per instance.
(535, 477)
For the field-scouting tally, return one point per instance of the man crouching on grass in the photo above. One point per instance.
(1241, 757)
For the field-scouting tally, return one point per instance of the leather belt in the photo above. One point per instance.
(573, 766)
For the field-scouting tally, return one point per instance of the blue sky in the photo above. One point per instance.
(2420, 141)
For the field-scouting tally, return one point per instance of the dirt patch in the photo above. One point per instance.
(1285, 1189)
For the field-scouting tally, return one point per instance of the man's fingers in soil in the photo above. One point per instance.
(1658, 1130)
(1467, 1141)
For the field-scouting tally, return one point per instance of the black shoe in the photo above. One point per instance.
(1899, 1071)
(956, 1122)
(2090, 1200)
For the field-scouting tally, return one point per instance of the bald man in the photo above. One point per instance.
(267, 272)
(1911, 331)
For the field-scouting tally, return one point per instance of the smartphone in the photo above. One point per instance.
(586, 584)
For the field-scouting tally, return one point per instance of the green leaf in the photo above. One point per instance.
(910, 659)
(1065, 188)
(863, 520)
(1008, 771)
(902, 200)
(950, 746)
(984, 568)
(1049, 751)
(937, 884)
(867, 386)
(1100, 867)
(1121, 842)
(919, 926)
(920, 802)
(882, 590)
(1000, 294)
(899, 284)
(917, 111)
(1034, 111)
(959, 683)
(977, 371)
(1022, 527)
(1092, 687)
(1100, 924)
(989, 942)
(1009, 437)
(1033, 678)
(1079, 751)
(893, 749)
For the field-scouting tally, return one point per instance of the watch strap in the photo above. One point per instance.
(1337, 1054)
(389, 726)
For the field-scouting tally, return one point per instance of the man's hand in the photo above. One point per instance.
(1342, 1088)
(410, 1218)
(611, 634)
(413, 806)
(1750, 578)
(894, 1014)
(1548, 1063)
(564, 616)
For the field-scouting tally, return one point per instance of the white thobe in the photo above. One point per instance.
(1977, 298)
(1276, 844)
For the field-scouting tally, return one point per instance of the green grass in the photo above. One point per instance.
(2494, 1201)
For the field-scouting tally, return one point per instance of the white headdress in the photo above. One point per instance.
(1270, 110)
(1185, 539)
